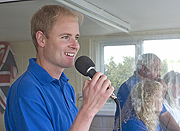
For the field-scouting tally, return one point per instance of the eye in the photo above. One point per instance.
(76, 38)
(65, 38)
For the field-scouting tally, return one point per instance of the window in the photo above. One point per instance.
(118, 60)
(167, 50)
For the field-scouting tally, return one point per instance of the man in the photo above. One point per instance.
(148, 66)
(42, 99)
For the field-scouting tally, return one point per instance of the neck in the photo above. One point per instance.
(55, 72)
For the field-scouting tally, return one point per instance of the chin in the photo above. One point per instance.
(69, 65)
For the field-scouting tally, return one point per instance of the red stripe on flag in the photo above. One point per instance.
(12, 72)
(5, 48)
(2, 101)
(5, 78)
(2, 53)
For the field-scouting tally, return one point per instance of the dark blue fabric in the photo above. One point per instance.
(135, 124)
(126, 88)
(124, 92)
(36, 101)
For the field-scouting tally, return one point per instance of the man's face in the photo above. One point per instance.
(155, 70)
(62, 45)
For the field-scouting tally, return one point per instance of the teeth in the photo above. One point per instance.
(69, 54)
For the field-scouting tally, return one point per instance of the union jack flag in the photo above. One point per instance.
(8, 68)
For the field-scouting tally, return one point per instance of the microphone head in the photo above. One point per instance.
(83, 63)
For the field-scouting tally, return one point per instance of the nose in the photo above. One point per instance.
(74, 44)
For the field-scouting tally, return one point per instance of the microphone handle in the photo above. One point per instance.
(91, 72)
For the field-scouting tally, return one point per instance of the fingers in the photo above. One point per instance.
(98, 77)
(157, 79)
(100, 82)
(86, 83)
(161, 81)
(97, 91)
(165, 87)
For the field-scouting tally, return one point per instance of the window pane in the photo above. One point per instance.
(119, 64)
(167, 50)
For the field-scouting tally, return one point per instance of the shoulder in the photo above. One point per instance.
(26, 86)
(127, 85)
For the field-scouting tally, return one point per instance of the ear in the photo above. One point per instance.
(40, 38)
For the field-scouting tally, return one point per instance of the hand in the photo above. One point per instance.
(95, 93)
(165, 87)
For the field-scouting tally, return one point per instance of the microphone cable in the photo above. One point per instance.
(119, 108)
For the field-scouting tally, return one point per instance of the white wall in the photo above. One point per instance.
(2, 128)
(22, 52)
(102, 123)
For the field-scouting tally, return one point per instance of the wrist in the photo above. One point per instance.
(87, 112)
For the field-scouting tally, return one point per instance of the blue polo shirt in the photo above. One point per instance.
(135, 124)
(38, 102)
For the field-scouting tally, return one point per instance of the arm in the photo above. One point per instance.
(95, 95)
(168, 121)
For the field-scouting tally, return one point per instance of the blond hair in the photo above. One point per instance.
(140, 102)
(45, 18)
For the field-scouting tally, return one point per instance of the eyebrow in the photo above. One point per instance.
(68, 34)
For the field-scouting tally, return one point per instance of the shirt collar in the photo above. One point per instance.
(41, 74)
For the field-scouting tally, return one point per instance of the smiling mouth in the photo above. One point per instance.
(69, 54)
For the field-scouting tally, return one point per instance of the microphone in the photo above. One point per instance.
(86, 67)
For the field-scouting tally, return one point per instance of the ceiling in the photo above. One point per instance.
(140, 14)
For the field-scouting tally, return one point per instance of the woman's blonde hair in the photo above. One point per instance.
(140, 102)
(45, 18)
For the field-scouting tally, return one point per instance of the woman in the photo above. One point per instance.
(172, 79)
(143, 107)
